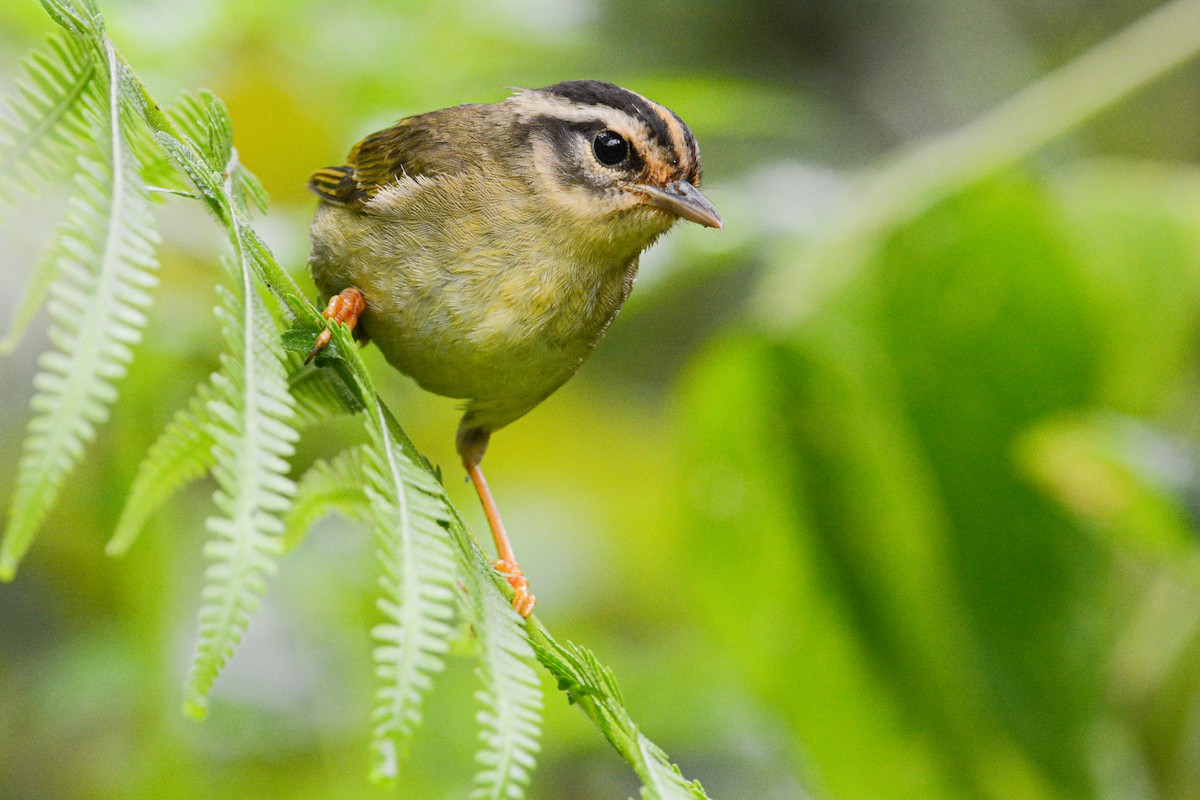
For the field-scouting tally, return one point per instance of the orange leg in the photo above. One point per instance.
(345, 307)
(523, 601)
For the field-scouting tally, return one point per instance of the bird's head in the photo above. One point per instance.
(610, 159)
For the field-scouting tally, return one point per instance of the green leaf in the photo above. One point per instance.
(206, 129)
(327, 486)
(593, 686)
(48, 123)
(935, 596)
(189, 162)
(250, 414)
(1135, 229)
(81, 17)
(182, 453)
(44, 274)
(663, 780)
(407, 516)
(969, 372)
(97, 304)
(319, 394)
(204, 122)
(49, 117)
(1124, 480)
(512, 696)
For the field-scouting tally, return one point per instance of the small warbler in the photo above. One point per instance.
(485, 249)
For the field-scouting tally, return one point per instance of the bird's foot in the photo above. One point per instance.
(523, 601)
(344, 307)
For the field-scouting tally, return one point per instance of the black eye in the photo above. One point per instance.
(610, 148)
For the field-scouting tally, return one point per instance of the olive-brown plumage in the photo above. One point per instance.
(492, 245)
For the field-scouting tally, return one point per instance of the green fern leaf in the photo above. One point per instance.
(197, 171)
(250, 412)
(287, 296)
(512, 697)
(580, 674)
(158, 171)
(249, 189)
(97, 305)
(418, 600)
(182, 453)
(334, 485)
(319, 394)
(662, 779)
(81, 17)
(586, 681)
(47, 120)
(44, 274)
(204, 120)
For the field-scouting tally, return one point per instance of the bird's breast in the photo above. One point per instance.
(491, 307)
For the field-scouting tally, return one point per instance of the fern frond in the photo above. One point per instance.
(80, 17)
(45, 272)
(661, 779)
(204, 121)
(199, 174)
(249, 189)
(287, 296)
(418, 600)
(250, 412)
(97, 305)
(511, 720)
(182, 453)
(334, 485)
(319, 394)
(592, 685)
(159, 173)
(48, 119)
(579, 673)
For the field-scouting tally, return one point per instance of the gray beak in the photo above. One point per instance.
(682, 199)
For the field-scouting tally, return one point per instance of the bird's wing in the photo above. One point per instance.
(416, 146)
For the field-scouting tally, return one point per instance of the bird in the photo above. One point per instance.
(486, 248)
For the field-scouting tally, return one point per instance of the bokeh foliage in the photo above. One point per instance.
(930, 535)
(946, 448)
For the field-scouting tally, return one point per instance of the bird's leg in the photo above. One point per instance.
(344, 307)
(507, 565)
(471, 447)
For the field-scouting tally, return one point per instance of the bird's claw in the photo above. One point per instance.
(522, 601)
(344, 307)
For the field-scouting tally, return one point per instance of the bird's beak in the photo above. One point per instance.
(682, 199)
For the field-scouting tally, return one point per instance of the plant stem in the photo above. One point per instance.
(624, 736)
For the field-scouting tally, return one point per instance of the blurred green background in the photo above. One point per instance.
(857, 503)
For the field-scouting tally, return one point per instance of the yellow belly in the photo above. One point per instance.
(499, 315)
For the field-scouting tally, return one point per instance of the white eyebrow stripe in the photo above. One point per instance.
(530, 104)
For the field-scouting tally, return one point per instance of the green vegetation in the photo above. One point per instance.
(887, 491)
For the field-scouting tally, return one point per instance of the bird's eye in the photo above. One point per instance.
(610, 148)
